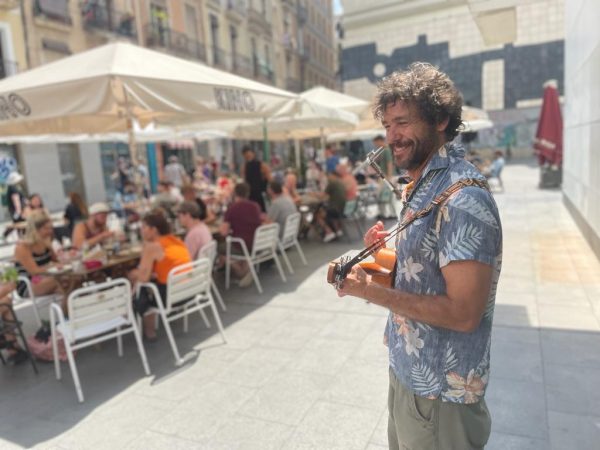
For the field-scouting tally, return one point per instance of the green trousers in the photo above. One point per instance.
(417, 423)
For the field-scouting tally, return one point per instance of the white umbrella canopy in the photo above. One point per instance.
(334, 99)
(101, 90)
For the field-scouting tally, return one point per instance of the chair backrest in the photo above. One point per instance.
(291, 228)
(208, 251)
(265, 238)
(188, 280)
(100, 303)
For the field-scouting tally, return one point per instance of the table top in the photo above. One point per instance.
(125, 256)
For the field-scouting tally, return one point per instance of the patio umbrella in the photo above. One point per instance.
(104, 89)
(549, 134)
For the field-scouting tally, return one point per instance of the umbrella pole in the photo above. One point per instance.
(266, 156)
(130, 131)
(297, 154)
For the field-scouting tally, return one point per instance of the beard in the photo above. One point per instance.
(410, 154)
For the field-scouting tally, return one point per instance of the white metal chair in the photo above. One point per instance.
(188, 291)
(97, 313)
(351, 214)
(264, 248)
(32, 300)
(209, 251)
(289, 238)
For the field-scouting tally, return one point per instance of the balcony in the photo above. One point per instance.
(100, 17)
(57, 10)
(293, 85)
(220, 58)
(288, 43)
(302, 14)
(236, 10)
(8, 68)
(241, 65)
(262, 70)
(258, 22)
(165, 38)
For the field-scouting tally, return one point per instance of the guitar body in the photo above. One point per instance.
(381, 270)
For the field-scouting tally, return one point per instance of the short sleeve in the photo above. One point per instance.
(469, 228)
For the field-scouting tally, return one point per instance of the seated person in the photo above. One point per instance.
(198, 234)
(349, 181)
(161, 252)
(34, 203)
(34, 255)
(281, 205)
(127, 202)
(241, 220)
(189, 195)
(8, 341)
(494, 169)
(93, 230)
(329, 217)
(165, 199)
(289, 185)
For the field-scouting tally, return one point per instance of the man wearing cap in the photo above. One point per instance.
(16, 199)
(93, 231)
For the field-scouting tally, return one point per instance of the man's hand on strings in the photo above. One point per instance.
(374, 234)
(355, 283)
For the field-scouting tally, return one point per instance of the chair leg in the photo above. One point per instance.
(286, 259)
(255, 277)
(300, 252)
(119, 343)
(36, 312)
(74, 373)
(140, 345)
(24, 341)
(185, 319)
(54, 344)
(279, 266)
(204, 318)
(214, 288)
(217, 317)
(227, 265)
(167, 325)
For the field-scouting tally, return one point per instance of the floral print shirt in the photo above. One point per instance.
(432, 361)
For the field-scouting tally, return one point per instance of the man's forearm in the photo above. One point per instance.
(435, 310)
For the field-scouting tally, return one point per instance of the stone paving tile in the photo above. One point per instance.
(306, 369)
(574, 431)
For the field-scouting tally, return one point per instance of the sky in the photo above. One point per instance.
(337, 7)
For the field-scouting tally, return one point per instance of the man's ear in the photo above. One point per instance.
(441, 126)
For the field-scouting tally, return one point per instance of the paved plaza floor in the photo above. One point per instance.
(304, 369)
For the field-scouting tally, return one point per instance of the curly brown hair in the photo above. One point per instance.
(426, 87)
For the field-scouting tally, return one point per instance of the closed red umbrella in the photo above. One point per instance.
(548, 142)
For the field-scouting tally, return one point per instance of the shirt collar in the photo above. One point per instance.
(441, 159)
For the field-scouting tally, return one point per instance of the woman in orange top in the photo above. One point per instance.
(161, 252)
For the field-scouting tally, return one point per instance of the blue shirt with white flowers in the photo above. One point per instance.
(432, 361)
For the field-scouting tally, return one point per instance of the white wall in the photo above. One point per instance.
(91, 171)
(41, 168)
(581, 167)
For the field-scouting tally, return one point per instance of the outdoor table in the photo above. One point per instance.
(115, 266)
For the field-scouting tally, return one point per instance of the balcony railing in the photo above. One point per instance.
(8, 68)
(158, 36)
(258, 20)
(220, 58)
(292, 84)
(302, 14)
(103, 17)
(53, 9)
(241, 65)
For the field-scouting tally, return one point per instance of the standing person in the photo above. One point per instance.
(175, 173)
(385, 162)
(331, 159)
(198, 234)
(281, 205)
(257, 174)
(15, 197)
(75, 212)
(448, 263)
(93, 231)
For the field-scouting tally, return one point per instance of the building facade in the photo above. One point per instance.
(285, 43)
(581, 163)
(502, 72)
